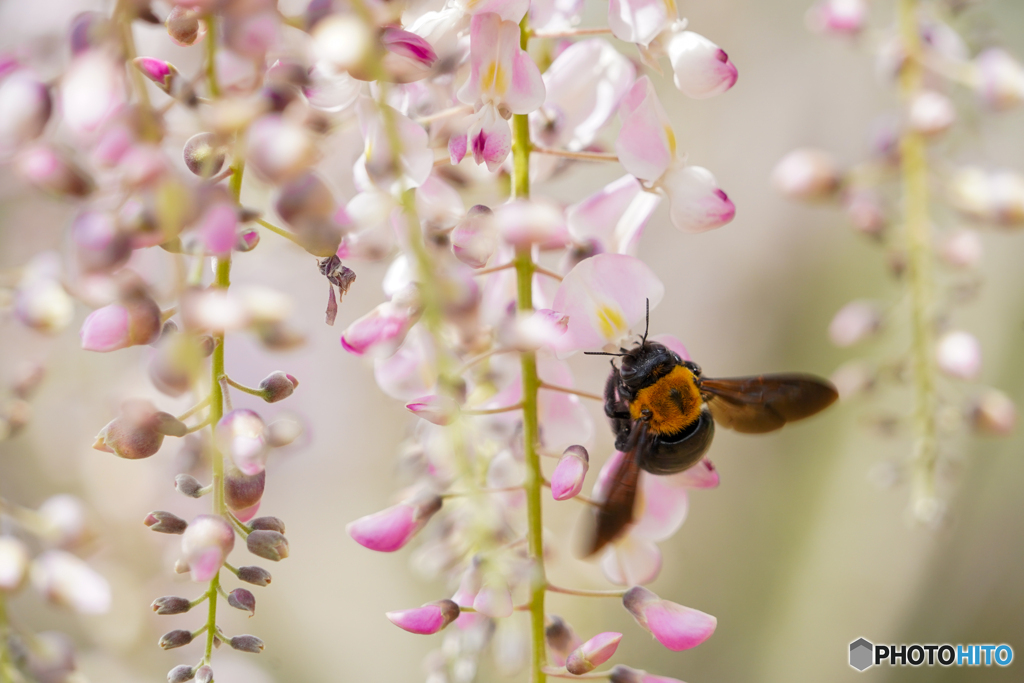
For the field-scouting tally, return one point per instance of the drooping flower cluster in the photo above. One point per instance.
(474, 331)
(924, 52)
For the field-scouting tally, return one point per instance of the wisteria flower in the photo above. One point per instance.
(503, 80)
(647, 148)
(613, 218)
(604, 297)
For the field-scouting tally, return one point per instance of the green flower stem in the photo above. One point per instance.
(914, 170)
(586, 593)
(124, 14)
(243, 388)
(5, 663)
(279, 231)
(579, 156)
(211, 55)
(525, 268)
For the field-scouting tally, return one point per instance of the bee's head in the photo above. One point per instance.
(649, 361)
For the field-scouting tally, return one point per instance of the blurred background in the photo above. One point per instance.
(803, 548)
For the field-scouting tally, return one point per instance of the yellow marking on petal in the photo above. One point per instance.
(671, 9)
(671, 136)
(495, 79)
(611, 322)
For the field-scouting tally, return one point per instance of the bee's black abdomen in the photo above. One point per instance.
(672, 453)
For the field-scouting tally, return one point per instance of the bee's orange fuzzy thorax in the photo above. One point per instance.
(674, 402)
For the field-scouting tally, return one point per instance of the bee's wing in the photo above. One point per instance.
(615, 511)
(753, 405)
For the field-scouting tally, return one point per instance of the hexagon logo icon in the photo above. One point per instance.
(861, 654)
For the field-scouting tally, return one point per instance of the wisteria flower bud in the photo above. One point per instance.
(571, 470)
(171, 605)
(242, 599)
(157, 70)
(64, 517)
(837, 17)
(268, 524)
(204, 154)
(993, 412)
(176, 638)
(131, 322)
(494, 599)
(700, 68)
(561, 639)
(25, 107)
(188, 485)
(250, 644)
(304, 197)
(624, 674)
(43, 305)
(696, 203)
(184, 25)
(14, 560)
(277, 386)
(931, 113)
(440, 410)
(270, 545)
(425, 620)
(181, 674)
(279, 149)
(992, 196)
(65, 580)
(999, 78)
(344, 42)
(593, 653)
(243, 492)
(390, 529)
(865, 211)
(165, 522)
(247, 239)
(380, 332)
(240, 435)
(530, 331)
(673, 625)
(138, 432)
(959, 355)
(205, 545)
(53, 171)
(475, 237)
(407, 57)
(204, 674)
(257, 576)
(283, 432)
(100, 244)
(962, 249)
(807, 174)
(854, 322)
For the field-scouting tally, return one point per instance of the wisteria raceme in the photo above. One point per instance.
(488, 289)
(937, 247)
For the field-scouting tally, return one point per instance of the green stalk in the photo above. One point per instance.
(531, 385)
(914, 171)
(5, 673)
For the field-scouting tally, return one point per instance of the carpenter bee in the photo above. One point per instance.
(663, 412)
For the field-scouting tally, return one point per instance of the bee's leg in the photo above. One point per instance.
(614, 407)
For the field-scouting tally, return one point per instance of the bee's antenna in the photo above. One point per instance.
(601, 353)
(647, 326)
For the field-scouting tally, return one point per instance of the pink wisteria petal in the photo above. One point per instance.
(696, 203)
(640, 21)
(604, 297)
(425, 620)
(569, 474)
(701, 69)
(661, 509)
(415, 156)
(584, 86)
(106, 329)
(646, 143)
(500, 72)
(593, 653)
(508, 10)
(703, 475)
(613, 217)
(386, 531)
(678, 627)
(217, 228)
(411, 371)
(409, 57)
(92, 91)
(527, 91)
(534, 221)
(673, 344)
(439, 410)
(631, 562)
(458, 144)
(489, 138)
(380, 332)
